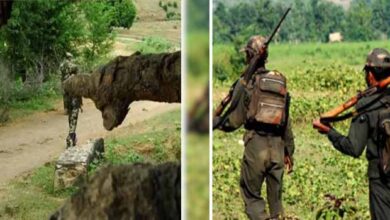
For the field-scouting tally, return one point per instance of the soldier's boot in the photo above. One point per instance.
(71, 140)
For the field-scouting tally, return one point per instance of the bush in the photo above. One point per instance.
(171, 10)
(124, 13)
(154, 45)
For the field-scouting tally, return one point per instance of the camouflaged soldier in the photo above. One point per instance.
(371, 129)
(72, 105)
(67, 68)
(269, 143)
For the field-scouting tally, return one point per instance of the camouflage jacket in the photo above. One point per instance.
(67, 68)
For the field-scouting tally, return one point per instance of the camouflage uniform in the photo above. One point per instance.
(71, 104)
(67, 68)
(263, 159)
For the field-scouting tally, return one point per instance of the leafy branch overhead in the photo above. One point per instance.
(38, 33)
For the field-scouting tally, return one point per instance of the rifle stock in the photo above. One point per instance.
(352, 101)
(218, 111)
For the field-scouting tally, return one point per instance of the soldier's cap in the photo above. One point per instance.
(378, 57)
(254, 44)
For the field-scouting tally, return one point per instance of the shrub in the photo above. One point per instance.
(154, 45)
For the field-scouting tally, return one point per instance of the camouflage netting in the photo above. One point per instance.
(138, 191)
(154, 77)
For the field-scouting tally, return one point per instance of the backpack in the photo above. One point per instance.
(384, 140)
(268, 104)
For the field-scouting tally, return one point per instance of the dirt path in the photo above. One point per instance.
(40, 138)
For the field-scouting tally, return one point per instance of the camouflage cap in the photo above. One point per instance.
(254, 44)
(378, 57)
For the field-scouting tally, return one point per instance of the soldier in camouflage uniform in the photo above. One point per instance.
(267, 150)
(365, 130)
(72, 105)
(67, 68)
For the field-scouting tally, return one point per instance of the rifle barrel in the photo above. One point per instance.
(277, 27)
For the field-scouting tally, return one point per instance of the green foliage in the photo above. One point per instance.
(309, 20)
(37, 36)
(22, 99)
(124, 13)
(99, 17)
(172, 12)
(154, 45)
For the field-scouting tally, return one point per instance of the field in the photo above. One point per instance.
(320, 76)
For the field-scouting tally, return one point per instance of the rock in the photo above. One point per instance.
(125, 79)
(72, 165)
(136, 191)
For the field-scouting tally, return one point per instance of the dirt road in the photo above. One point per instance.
(40, 138)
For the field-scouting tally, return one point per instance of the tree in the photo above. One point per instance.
(124, 13)
(99, 18)
(381, 17)
(37, 36)
(359, 20)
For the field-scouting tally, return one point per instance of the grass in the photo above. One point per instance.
(24, 100)
(320, 76)
(154, 45)
(156, 140)
(32, 196)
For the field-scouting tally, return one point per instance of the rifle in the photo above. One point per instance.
(225, 101)
(247, 75)
(333, 115)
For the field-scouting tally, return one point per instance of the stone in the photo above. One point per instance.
(72, 165)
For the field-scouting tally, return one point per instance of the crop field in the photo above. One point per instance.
(320, 76)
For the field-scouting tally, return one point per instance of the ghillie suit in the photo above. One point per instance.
(138, 191)
(154, 77)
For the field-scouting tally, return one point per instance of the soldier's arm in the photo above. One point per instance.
(288, 138)
(237, 117)
(357, 138)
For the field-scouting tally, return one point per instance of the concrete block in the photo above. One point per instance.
(72, 165)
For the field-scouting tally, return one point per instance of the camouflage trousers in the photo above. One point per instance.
(67, 103)
(72, 120)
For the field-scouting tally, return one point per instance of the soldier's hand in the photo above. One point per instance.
(288, 162)
(320, 127)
